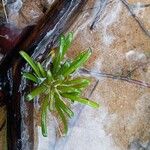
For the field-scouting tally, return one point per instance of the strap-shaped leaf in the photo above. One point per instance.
(65, 43)
(41, 80)
(76, 81)
(35, 92)
(58, 55)
(78, 62)
(41, 69)
(43, 117)
(30, 62)
(80, 86)
(49, 75)
(68, 89)
(76, 94)
(51, 100)
(63, 118)
(64, 67)
(59, 102)
(68, 41)
(81, 100)
(30, 76)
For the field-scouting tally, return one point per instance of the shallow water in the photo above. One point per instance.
(120, 72)
(120, 49)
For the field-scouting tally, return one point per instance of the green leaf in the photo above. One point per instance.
(76, 94)
(78, 83)
(43, 117)
(78, 80)
(80, 86)
(68, 41)
(58, 55)
(49, 75)
(29, 76)
(68, 89)
(64, 67)
(78, 62)
(63, 118)
(81, 100)
(52, 100)
(59, 102)
(65, 43)
(30, 62)
(41, 80)
(35, 92)
(41, 69)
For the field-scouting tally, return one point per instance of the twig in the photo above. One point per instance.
(140, 5)
(92, 91)
(140, 23)
(4, 36)
(115, 77)
(103, 4)
(95, 7)
(137, 67)
(4, 8)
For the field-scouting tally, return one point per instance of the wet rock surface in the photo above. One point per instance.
(118, 31)
(28, 12)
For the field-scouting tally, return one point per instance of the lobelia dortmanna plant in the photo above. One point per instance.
(58, 84)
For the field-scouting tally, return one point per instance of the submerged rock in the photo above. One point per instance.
(120, 43)
(124, 115)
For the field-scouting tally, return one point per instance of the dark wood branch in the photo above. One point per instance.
(3, 125)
